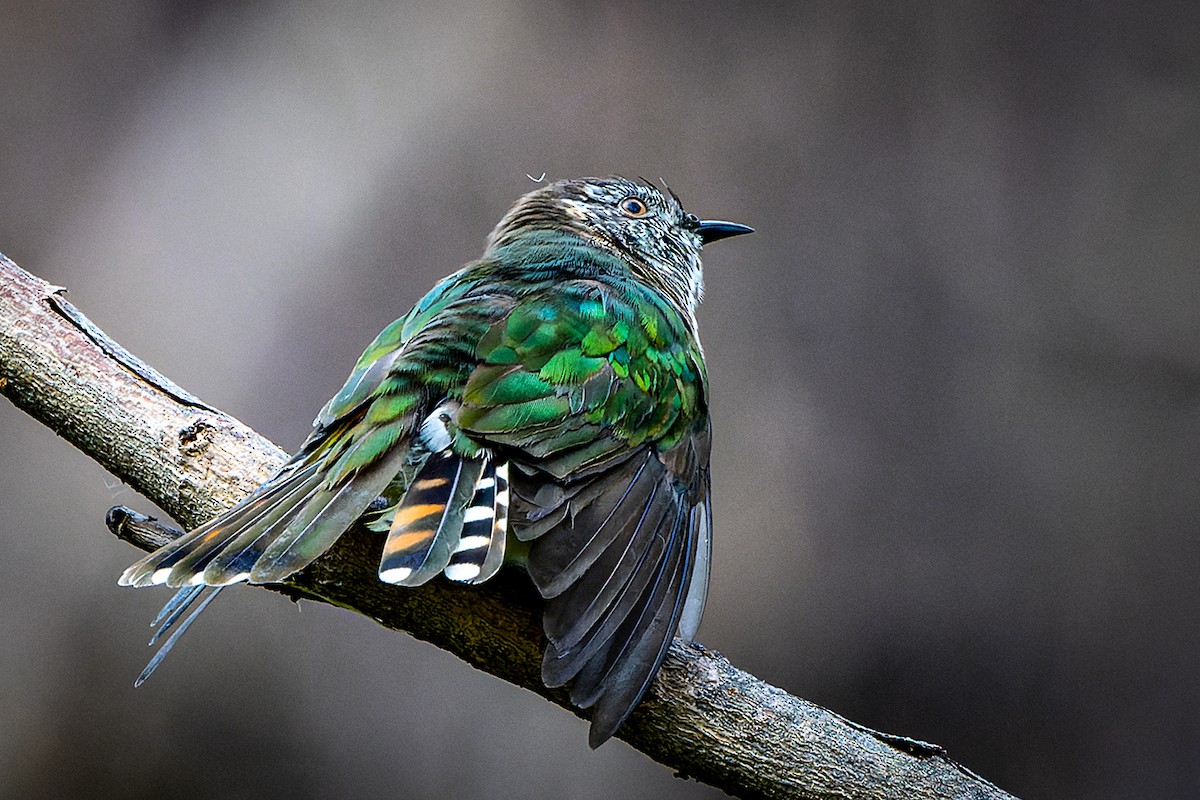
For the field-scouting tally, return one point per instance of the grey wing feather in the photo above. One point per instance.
(700, 525)
(616, 557)
(325, 518)
(209, 539)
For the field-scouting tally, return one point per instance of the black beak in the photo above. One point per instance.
(711, 230)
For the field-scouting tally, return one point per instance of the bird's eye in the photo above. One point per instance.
(633, 207)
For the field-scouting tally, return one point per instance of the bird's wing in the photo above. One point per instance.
(375, 365)
(360, 443)
(599, 398)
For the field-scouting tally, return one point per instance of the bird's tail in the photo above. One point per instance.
(274, 532)
(170, 614)
(453, 519)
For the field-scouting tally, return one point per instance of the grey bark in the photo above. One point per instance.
(702, 717)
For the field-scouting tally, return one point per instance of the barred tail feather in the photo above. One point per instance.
(428, 522)
(496, 551)
(480, 550)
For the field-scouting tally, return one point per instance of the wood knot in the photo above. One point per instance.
(195, 438)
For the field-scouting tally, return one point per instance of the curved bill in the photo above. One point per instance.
(711, 230)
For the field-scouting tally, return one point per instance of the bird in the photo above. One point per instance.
(544, 406)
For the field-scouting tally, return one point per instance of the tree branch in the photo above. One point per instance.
(702, 717)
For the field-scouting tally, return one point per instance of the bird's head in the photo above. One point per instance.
(648, 229)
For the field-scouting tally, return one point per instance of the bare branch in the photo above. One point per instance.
(703, 717)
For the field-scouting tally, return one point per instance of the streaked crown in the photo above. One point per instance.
(646, 228)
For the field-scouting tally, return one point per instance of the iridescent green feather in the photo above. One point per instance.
(564, 352)
(372, 373)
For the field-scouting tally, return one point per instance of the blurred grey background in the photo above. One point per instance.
(955, 374)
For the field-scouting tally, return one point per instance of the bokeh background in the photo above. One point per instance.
(955, 374)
